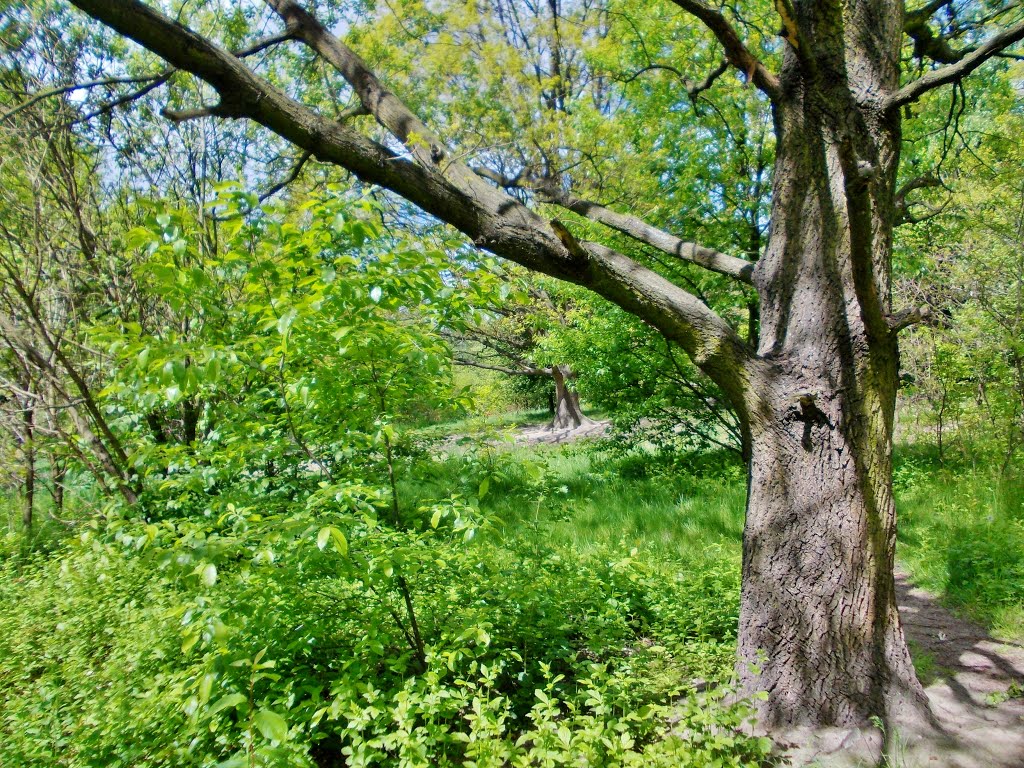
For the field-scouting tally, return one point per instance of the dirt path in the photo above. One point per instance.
(967, 686)
(541, 434)
(967, 678)
(536, 434)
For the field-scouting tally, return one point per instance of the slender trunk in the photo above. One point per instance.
(30, 470)
(190, 411)
(389, 456)
(57, 472)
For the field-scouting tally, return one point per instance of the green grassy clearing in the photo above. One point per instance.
(961, 531)
(600, 584)
(962, 535)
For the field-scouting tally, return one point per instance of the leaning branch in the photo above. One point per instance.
(954, 72)
(492, 219)
(912, 316)
(640, 230)
(392, 114)
(526, 371)
(735, 49)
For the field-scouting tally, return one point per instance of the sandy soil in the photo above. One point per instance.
(544, 435)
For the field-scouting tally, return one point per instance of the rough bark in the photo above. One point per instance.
(818, 601)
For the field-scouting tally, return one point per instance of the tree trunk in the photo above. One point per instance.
(29, 448)
(818, 611)
(568, 414)
(57, 473)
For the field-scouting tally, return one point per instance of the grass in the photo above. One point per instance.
(961, 533)
(481, 425)
(590, 498)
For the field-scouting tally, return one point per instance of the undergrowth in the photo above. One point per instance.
(534, 607)
(518, 617)
(961, 534)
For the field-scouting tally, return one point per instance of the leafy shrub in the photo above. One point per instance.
(289, 639)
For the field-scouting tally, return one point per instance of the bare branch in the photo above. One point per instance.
(123, 99)
(262, 45)
(62, 89)
(693, 89)
(389, 110)
(293, 174)
(525, 371)
(196, 113)
(639, 230)
(735, 50)
(955, 72)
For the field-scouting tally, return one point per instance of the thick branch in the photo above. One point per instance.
(954, 72)
(636, 228)
(493, 219)
(735, 50)
(911, 316)
(926, 42)
(387, 108)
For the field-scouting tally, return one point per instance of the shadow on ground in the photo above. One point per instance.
(968, 676)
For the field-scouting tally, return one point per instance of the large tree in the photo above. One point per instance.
(816, 397)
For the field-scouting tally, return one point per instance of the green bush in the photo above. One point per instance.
(287, 640)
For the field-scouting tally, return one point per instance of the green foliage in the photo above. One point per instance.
(252, 640)
(289, 354)
(965, 376)
(962, 535)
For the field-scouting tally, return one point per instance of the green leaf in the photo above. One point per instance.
(339, 541)
(333, 535)
(271, 725)
(209, 575)
(285, 321)
(484, 487)
(205, 687)
(323, 537)
(231, 701)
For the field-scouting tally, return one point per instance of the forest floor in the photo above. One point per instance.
(543, 434)
(974, 682)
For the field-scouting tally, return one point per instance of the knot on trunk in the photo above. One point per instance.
(806, 410)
